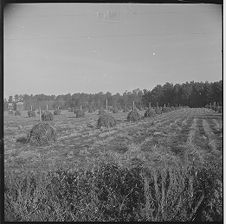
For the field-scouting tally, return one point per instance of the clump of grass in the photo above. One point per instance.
(42, 134)
(106, 120)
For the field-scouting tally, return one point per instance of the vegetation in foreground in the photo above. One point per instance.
(113, 193)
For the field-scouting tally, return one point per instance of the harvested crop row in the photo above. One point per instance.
(210, 135)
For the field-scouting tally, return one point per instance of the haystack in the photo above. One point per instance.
(106, 120)
(57, 112)
(47, 116)
(158, 110)
(42, 134)
(133, 115)
(31, 113)
(150, 112)
(17, 113)
(79, 113)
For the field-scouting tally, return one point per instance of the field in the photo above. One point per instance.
(174, 162)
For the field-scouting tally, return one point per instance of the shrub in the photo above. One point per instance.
(17, 113)
(150, 112)
(47, 116)
(133, 115)
(106, 120)
(42, 134)
(79, 113)
(31, 113)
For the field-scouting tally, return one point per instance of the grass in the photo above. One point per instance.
(157, 169)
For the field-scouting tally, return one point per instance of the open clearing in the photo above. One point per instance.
(185, 137)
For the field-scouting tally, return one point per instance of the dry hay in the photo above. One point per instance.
(158, 110)
(79, 113)
(17, 113)
(133, 115)
(42, 134)
(31, 113)
(57, 112)
(150, 112)
(10, 112)
(106, 120)
(47, 116)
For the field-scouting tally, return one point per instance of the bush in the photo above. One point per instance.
(31, 113)
(150, 112)
(79, 113)
(17, 113)
(106, 120)
(133, 116)
(42, 134)
(47, 116)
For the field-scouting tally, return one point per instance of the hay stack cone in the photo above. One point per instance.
(150, 112)
(106, 120)
(133, 115)
(42, 134)
(46, 116)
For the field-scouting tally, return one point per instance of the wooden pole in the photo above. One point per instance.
(31, 107)
(133, 105)
(149, 104)
(106, 104)
(47, 107)
(80, 107)
(40, 114)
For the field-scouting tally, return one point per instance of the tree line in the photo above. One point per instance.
(192, 94)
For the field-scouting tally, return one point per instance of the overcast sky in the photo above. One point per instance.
(60, 48)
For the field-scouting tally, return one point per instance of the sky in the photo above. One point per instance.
(60, 48)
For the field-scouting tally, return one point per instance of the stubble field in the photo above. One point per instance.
(174, 161)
